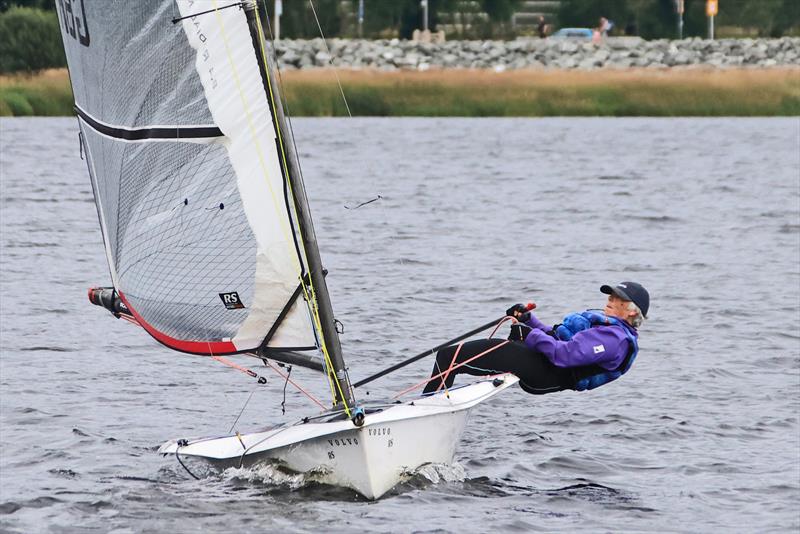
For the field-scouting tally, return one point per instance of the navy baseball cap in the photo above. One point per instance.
(630, 291)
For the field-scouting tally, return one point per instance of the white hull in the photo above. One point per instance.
(370, 459)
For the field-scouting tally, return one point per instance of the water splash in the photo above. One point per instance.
(438, 473)
(274, 474)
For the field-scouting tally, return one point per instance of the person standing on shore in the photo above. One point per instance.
(541, 27)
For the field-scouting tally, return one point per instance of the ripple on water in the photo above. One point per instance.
(9, 507)
(474, 238)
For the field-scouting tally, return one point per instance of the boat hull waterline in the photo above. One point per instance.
(370, 459)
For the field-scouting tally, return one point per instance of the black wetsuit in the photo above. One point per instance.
(536, 374)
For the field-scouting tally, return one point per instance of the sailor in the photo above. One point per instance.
(586, 350)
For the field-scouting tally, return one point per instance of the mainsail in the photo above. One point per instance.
(207, 237)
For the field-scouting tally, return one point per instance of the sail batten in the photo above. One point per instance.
(191, 194)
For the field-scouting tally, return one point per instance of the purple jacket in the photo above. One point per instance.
(605, 346)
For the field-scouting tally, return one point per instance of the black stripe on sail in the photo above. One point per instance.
(138, 134)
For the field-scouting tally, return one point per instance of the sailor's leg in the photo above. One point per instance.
(537, 375)
(499, 359)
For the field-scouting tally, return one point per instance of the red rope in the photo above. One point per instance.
(452, 363)
(252, 373)
(465, 362)
(503, 320)
(292, 382)
(130, 319)
(244, 370)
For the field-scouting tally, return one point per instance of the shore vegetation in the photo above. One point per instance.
(480, 93)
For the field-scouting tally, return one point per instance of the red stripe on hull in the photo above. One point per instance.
(194, 347)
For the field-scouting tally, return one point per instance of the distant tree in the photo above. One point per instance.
(788, 17)
(30, 40)
(412, 13)
(499, 13)
(298, 21)
(659, 18)
(766, 17)
(587, 13)
(500, 10)
(44, 5)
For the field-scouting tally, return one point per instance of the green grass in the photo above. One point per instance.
(548, 93)
(665, 93)
(47, 94)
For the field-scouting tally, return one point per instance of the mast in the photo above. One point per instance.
(342, 391)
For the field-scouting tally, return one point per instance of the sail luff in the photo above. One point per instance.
(343, 392)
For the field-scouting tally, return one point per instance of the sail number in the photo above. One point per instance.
(74, 20)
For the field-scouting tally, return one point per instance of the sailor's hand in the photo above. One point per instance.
(517, 311)
(519, 332)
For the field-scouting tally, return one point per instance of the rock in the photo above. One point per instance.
(568, 47)
(716, 62)
(614, 52)
(601, 56)
(567, 63)
(290, 57)
(306, 61)
(322, 59)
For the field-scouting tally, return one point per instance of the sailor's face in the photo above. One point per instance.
(617, 307)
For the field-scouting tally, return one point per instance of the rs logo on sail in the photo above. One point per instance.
(74, 22)
(231, 300)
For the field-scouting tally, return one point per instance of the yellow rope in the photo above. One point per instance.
(251, 126)
(332, 379)
(311, 298)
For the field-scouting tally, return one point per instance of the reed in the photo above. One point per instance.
(44, 94)
(472, 93)
(536, 93)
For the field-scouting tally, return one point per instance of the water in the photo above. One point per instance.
(475, 215)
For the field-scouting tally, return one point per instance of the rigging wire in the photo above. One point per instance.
(178, 19)
(309, 292)
(295, 384)
(283, 402)
(330, 55)
(242, 410)
(287, 112)
(244, 101)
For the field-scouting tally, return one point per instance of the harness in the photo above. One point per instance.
(593, 376)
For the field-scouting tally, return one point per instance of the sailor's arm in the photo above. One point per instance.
(593, 346)
(535, 323)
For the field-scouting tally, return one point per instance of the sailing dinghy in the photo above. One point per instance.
(208, 233)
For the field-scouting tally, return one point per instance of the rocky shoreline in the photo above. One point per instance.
(620, 53)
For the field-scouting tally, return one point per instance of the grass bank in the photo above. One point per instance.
(45, 94)
(530, 93)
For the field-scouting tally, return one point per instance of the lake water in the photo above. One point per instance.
(475, 214)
